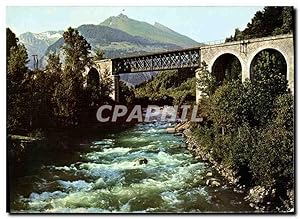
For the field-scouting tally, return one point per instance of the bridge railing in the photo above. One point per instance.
(214, 42)
(247, 37)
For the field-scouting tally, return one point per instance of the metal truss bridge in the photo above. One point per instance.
(186, 58)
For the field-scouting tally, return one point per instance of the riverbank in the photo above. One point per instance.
(259, 197)
(18, 148)
(21, 147)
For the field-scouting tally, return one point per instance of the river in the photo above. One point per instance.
(104, 175)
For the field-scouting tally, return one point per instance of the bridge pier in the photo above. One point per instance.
(290, 67)
(105, 71)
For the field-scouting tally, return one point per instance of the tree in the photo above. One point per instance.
(288, 20)
(76, 50)
(206, 81)
(18, 91)
(172, 86)
(268, 81)
(270, 21)
(106, 83)
(99, 55)
(272, 157)
(126, 94)
(50, 79)
(11, 41)
(69, 94)
(54, 66)
(99, 88)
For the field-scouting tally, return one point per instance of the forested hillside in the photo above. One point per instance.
(176, 86)
(270, 21)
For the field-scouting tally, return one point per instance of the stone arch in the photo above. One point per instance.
(93, 78)
(245, 51)
(271, 50)
(228, 65)
(255, 52)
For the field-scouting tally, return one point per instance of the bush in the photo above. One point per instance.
(272, 162)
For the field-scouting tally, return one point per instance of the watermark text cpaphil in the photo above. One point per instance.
(109, 113)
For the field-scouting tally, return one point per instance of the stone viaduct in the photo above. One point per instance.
(245, 51)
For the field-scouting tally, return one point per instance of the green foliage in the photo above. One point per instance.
(251, 136)
(224, 113)
(42, 86)
(106, 83)
(241, 146)
(270, 21)
(233, 70)
(54, 66)
(268, 81)
(185, 93)
(269, 68)
(206, 82)
(99, 55)
(53, 77)
(288, 20)
(272, 162)
(126, 94)
(18, 93)
(11, 41)
(54, 97)
(96, 94)
(69, 94)
(179, 85)
(76, 50)
(17, 61)
(67, 98)
(29, 93)
(40, 99)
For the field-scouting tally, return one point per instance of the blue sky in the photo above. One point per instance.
(200, 23)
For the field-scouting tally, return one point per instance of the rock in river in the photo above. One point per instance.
(141, 161)
(213, 182)
(209, 174)
(171, 130)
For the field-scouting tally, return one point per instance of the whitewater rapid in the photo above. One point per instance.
(105, 176)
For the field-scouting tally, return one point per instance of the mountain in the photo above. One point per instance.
(156, 32)
(114, 42)
(133, 79)
(117, 43)
(117, 36)
(38, 43)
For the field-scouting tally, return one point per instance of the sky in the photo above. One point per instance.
(202, 24)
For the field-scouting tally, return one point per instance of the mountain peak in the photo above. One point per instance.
(156, 32)
(113, 20)
(123, 16)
